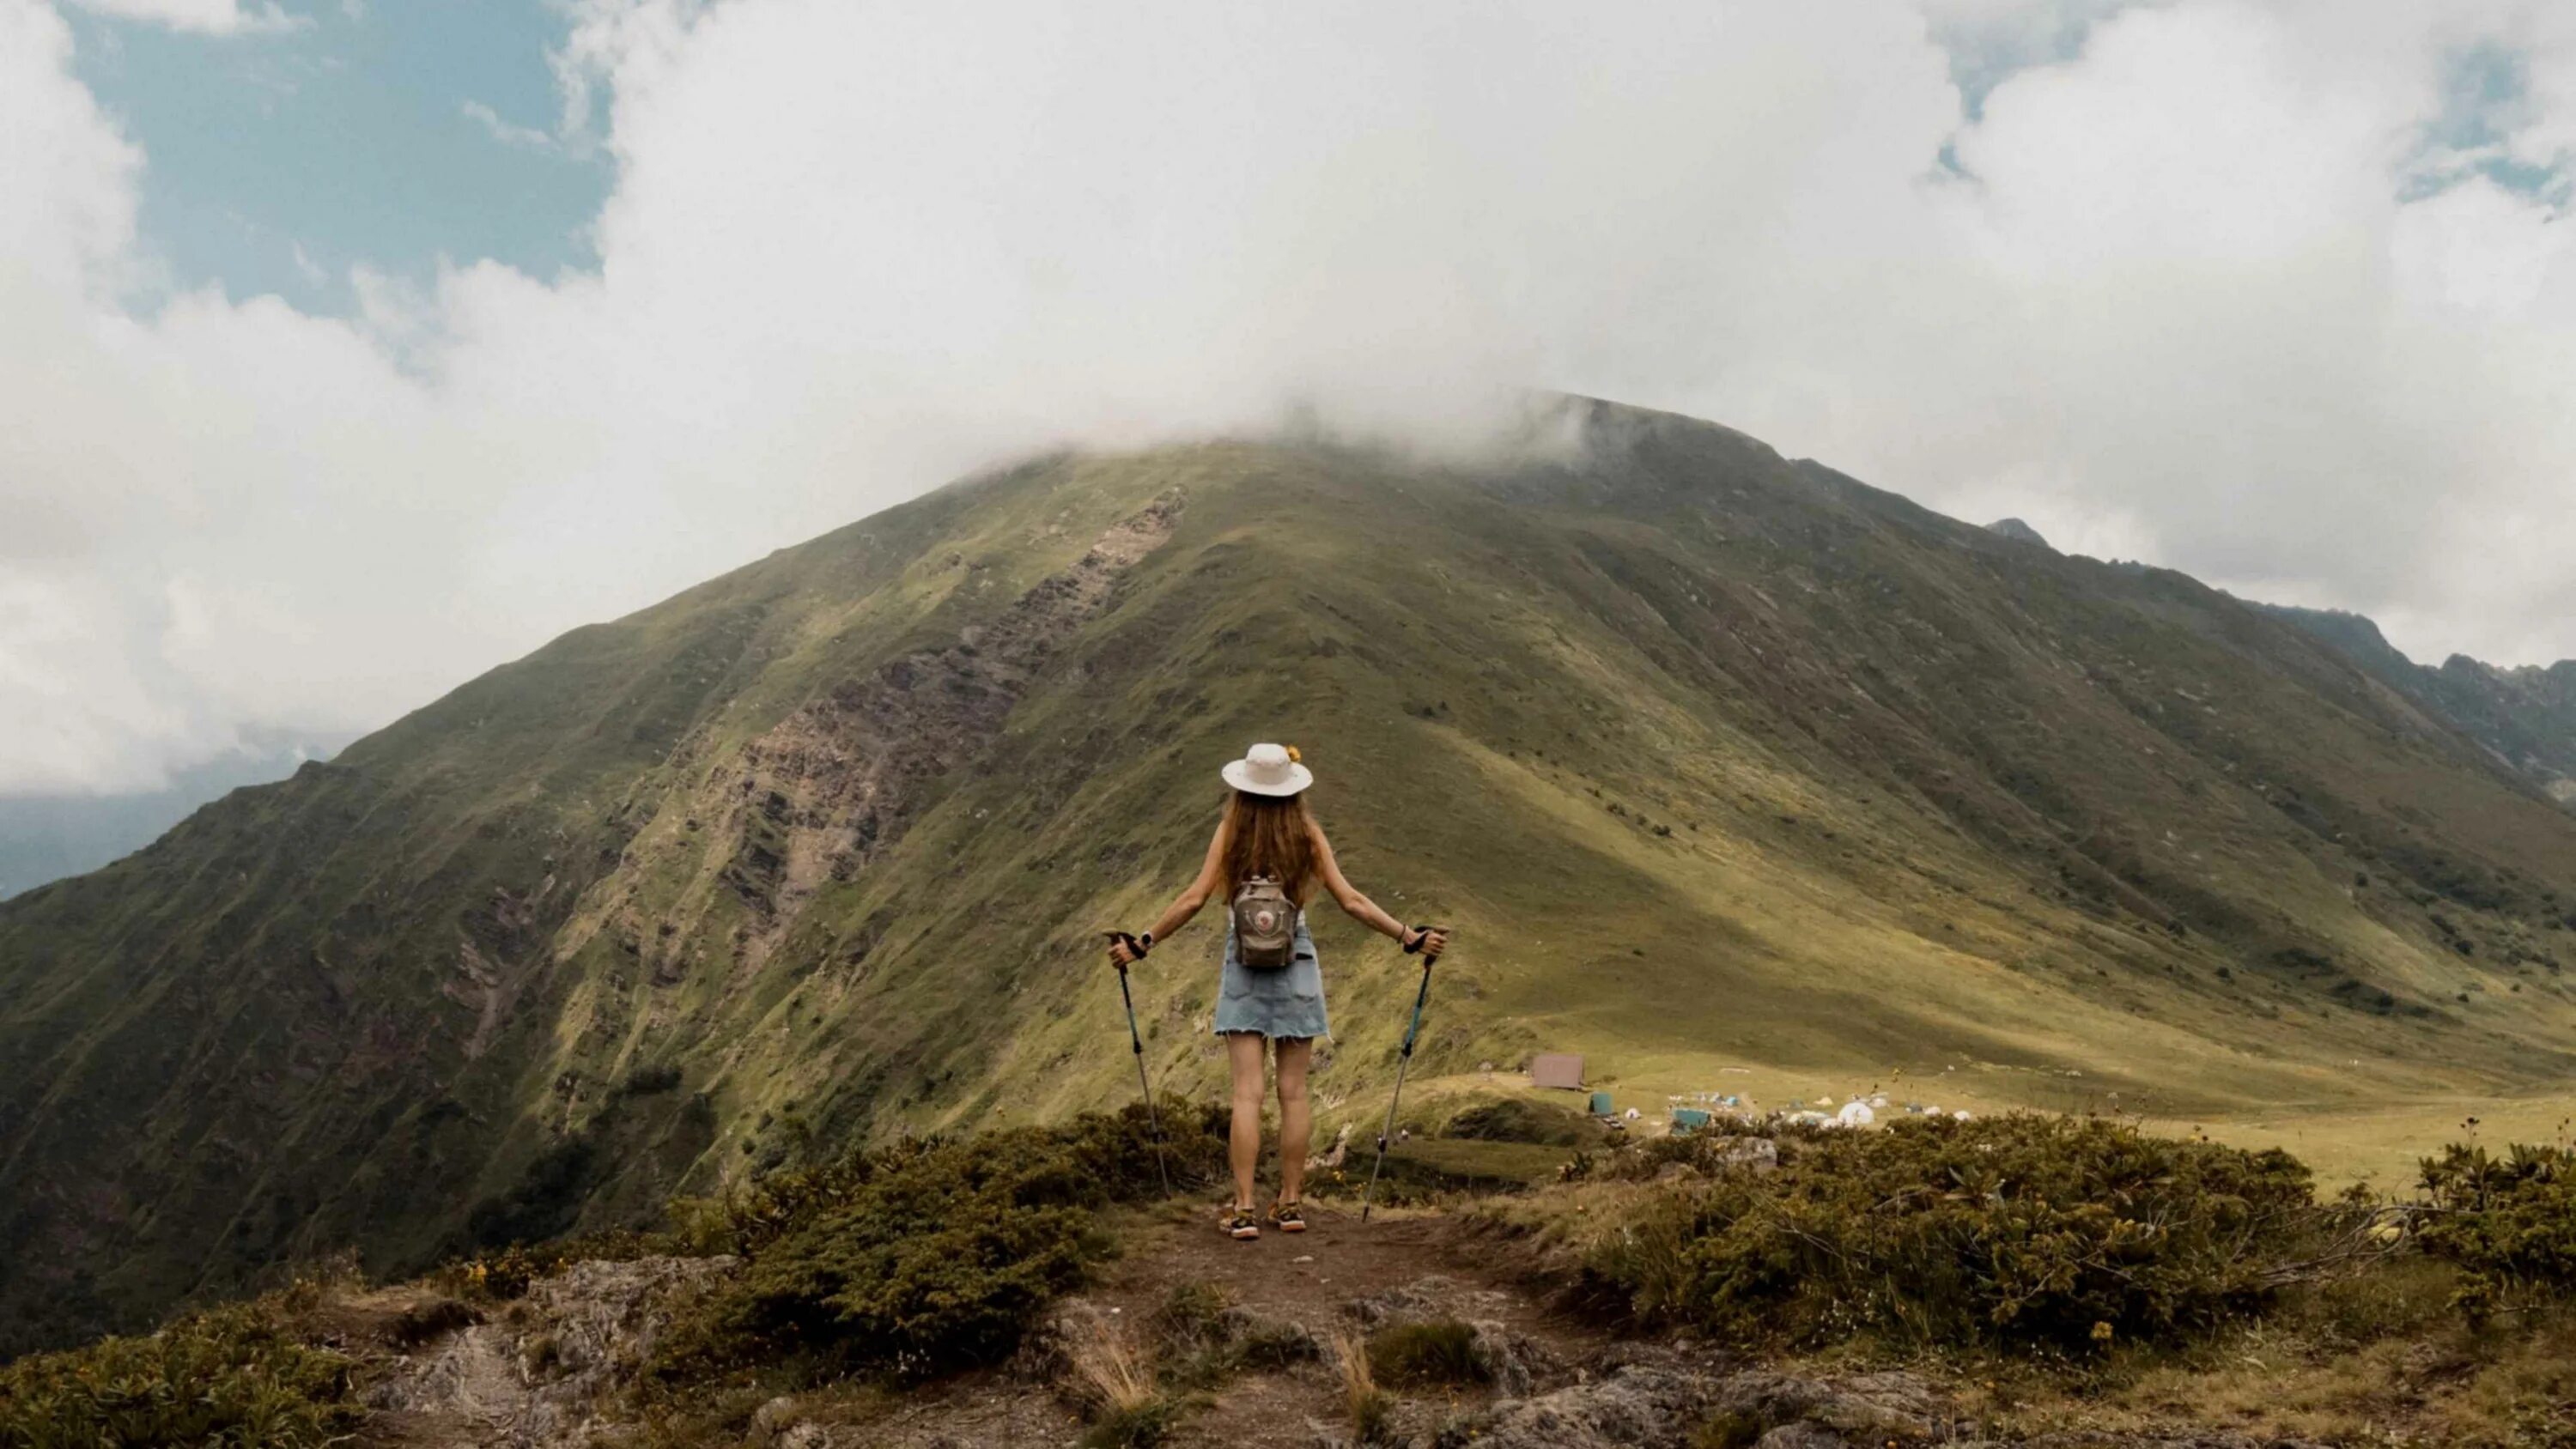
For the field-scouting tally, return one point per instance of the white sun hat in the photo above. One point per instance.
(1268, 770)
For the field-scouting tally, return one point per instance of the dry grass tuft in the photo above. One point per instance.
(1106, 1364)
(1115, 1378)
(1369, 1405)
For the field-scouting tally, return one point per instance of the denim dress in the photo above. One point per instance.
(1278, 1001)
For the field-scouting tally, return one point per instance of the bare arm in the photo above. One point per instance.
(1359, 907)
(1185, 905)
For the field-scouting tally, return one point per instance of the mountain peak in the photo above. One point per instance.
(2018, 531)
(814, 852)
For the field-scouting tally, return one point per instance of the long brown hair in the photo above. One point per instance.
(1269, 835)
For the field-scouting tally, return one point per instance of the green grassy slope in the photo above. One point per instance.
(1714, 758)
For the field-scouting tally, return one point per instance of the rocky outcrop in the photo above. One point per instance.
(1657, 1395)
(841, 779)
(537, 1375)
(1637, 1407)
(2016, 530)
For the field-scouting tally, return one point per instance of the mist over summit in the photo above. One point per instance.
(844, 253)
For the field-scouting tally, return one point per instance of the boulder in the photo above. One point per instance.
(1637, 1407)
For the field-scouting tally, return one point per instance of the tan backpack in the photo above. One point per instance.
(1265, 924)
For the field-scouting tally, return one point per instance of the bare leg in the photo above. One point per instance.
(1243, 1145)
(1295, 1121)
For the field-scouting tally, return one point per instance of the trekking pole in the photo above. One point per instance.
(1153, 1118)
(1403, 1063)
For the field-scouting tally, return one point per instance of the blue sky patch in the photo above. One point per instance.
(2486, 100)
(385, 134)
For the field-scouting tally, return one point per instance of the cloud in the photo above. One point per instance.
(524, 138)
(2177, 289)
(206, 17)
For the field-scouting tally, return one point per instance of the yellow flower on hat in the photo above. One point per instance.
(1293, 756)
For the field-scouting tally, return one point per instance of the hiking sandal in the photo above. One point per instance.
(1287, 1217)
(1241, 1226)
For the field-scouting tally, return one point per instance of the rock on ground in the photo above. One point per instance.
(1637, 1407)
(533, 1378)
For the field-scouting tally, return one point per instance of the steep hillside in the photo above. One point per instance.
(2526, 715)
(1714, 758)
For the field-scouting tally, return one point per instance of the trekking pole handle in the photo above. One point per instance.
(1140, 948)
(1419, 944)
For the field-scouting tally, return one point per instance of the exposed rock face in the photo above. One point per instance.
(534, 1377)
(1635, 1408)
(1655, 1396)
(1432, 1295)
(840, 780)
(1869, 1406)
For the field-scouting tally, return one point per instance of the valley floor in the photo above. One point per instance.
(2343, 1139)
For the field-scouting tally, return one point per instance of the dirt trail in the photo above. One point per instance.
(1313, 1278)
(1337, 1277)
(1341, 1276)
(1259, 1368)
(1546, 1379)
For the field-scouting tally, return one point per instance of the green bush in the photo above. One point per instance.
(1410, 1355)
(1142, 1426)
(1516, 1119)
(2509, 1223)
(2020, 1232)
(1192, 1315)
(930, 1255)
(229, 1377)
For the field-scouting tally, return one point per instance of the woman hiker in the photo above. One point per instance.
(1268, 854)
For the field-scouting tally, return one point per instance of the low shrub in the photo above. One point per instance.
(1204, 1339)
(499, 1277)
(2509, 1223)
(1273, 1346)
(929, 1255)
(1441, 1351)
(428, 1321)
(2397, 1294)
(1516, 1119)
(646, 1081)
(2024, 1232)
(1142, 1426)
(231, 1376)
(1192, 1315)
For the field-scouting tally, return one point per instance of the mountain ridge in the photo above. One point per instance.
(48, 836)
(1712, 755)
(2525, 715)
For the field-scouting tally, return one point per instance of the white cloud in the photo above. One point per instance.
(207, 17)
(2182, 298)
(525, 138)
